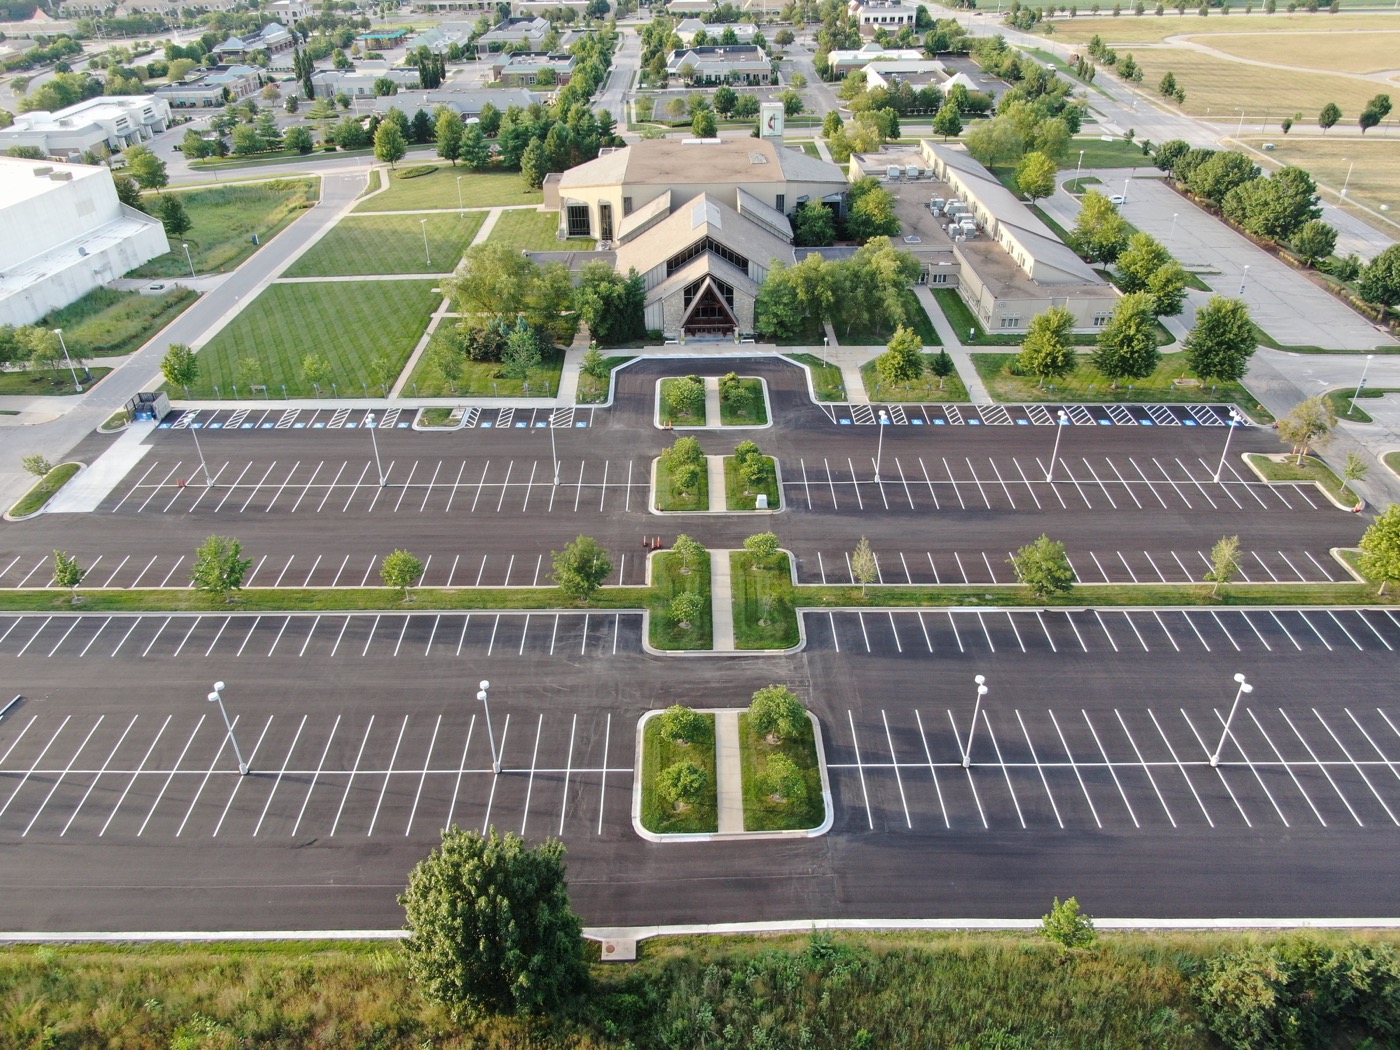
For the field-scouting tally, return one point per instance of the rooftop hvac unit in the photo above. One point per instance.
(61, 176)
(42, 172)
(893, 171)
(913, 171)
(937, 204)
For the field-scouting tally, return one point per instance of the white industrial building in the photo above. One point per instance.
(115, 122)
(66, 233)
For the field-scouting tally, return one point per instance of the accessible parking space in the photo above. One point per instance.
(1046, 414)
(474, 417)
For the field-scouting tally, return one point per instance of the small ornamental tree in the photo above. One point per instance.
(68, 573)
(179, 365)
(36, 465)
(682, 725)
(903, 360)
(1044, 567)
(399, 569)
(1315, 240)
(683, 783)
(594, 364)
(389, 143)
(1380, 547)
(316, 370)
(1067, 927)
(1309, 424)
(219, 566)
(762, 547)
(941, 364)
(686, 608)
(490, 926)
(1224, 562)
(775, 712)
(690, 552)
(173, 216)
(782, 781)
(863, 565)
(686, 396)
(580, 568)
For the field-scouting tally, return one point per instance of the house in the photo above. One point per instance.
(919, 73)
(843, 62)
(701, 221)
(721, 64)
(881, 14)
(271, 38)
(212, 87)
(526, 30)
(526, 67)
(66, 233)
(359, 81)
(112, 122)
(688, 28)
(466, 103)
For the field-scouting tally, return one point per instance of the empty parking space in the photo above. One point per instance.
(956, 415)
(474, 417)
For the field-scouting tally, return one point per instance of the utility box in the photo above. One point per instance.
(761, 501)
(153, 405)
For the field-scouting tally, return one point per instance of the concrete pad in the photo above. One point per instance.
(719, 499)
(721, 602)
(712, 416)
(87, 491)
(729, 773)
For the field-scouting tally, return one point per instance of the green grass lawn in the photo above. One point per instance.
(224, 220)
(536, 232)
(810, 148)
(1311, 469)
(594, 391)
(1119, 153)
(54, 381)
(669, 498)
(438, 417)
(753, 412)
(660, 816)
(928, 387)
(668, 580)
(765, 813)
(827, 381)
(109, 323)
(1087, 383)
(375, 244)
(1392, 460)
(865, 333)
(668, 413)
(1342, 398)
(763, 604)
(488, 379)
(1078, 186)
(350, 322)
(740, 495)
(480, 189)
(44, 489)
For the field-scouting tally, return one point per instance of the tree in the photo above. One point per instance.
(683, 783)
(1224, 561)
(316, 370)
(146, 168)
(903, 361)
(690, 551)
(1128, 343)
(1220, 174)
(534, 164)
(872, 212)
(1044, 567)
(1067, 927)
(194, 146)
(864, 567)
(1329, 116)
(37, 465)
(1046, 352)
(219, 566)
(491, 929)
(476, 151)
(725, 98)
(686, 608)
(68, 573)
(682, 725)
(1380, 547)
(522, 353)
(1315, 240)
(128, 192)
(350, 134)
(180, 366)
(814, 226)
(1223, 340)
(1142, 258)
(761, 547)
(173, 215)
(246, 141)
(389, 144)
(1380, 280)
(941, 365)
(1309, 424)
(580, 568)
(1375, 112)
(399, 569)
(298, 139)
(449, 135)
(686, 396)
(781, 780)
(775, 712)
(1036, 176)
(1099, 233)
(948, 122)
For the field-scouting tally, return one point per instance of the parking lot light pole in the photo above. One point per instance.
(1347, 181)
(188, 259)
(1244, 276)
(1061, 420)
(374, 440)
(423, 223)
(880, 443)
(491, 736)
(208, 481)
(216, 697)
(1171, 237)
(461, 211)
(64, 343)
(1244, 687)
(554, 450)
(1235, 420)
(1362, 382)
(981, 681)
(1079, 170)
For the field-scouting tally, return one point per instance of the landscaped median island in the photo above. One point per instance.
(678, 782)
(50, 481)
(689, 401)
(827, 381)
(763, 595)
(749, 474)
(743, 401)
(783, 789)
(1287, 467)
(680, 597)
(681, 402)
(682, 478)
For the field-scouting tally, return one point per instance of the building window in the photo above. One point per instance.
(605, 229)
(1102, 319)
(938, 278)
(626, 205)
(578, 220)
(782, 203)
(705, 244)
(1011, 322)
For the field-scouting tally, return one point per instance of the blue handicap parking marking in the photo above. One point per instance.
(1105, 422)
(539, 425)
(315, 426)
(216, 426)
(580, 423)
(940, 422)
(162, 426)
(917, 422)
(521, 424)
(487, 426)
(844, 422)
(298, 426)
(350, 426)
(974, 422)
(267, 426)
(1023, 422)
(1147, 422)
(1189, 422)
(248, 426)
(402, 426)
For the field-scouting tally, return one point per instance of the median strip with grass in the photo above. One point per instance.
(670, 576)
(926, 389)
(1344, 402)
(742, 493)
(659, 814)
(764, 600)
(1288, 468)
(797, 811)
(679, 487)
(676, 410)
(747, 406)
(45, 489)
(594, 390)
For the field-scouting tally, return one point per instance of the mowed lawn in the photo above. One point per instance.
(534, 231)
(1337, 52)
(375, 244)
(1375, 176)
(224, 220)
(350, 322)
(480, 189)
(1149, 29)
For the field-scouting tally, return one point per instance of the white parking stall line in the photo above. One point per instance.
(256, 569)
(603, 492)
(171, 775)
(1141, 642)
(388, 773)
(1102, 571)
(280, 774)
(1184, 570)
(806, 488)
(144, 759)
(1128, 488)
(903, 481)
(380, 488)
(627, 503)
(1180, 767)
(1229, 637)
(307, 487)
(1029, 487)
(895, 631)
(956, 636)
(861, 618)
(855, 484)
(259, 485)
(369, 568)
(971, 780)
(431, 482)
(237, 784)
(432, 634)
(495, 626)
(1342, 627)
(1041, 770)
(491, 798)
(1245, 617)
(958, 558)
(1075, 767)
(118, 569)
(135, 621)
(1191, 478)
(1322, 768)
(539, 563)
(1129, 568)
(986, 633)
(1372, 627)
(249, 636)
(1220, 772)
(1094, 474)
(860, 770)
(280, 631)
(132, 491)
(1002, 481)
(1286, 632)
(932, 567)
(933, 772)
(42, 562)
(1146, 768)
(1158, 618)
(1006, 773)
(976, 481)
(1046, 629)
(1192, 624)
(1255, 556)
(453, 494)
(15, 743)
(193, 624)
(331, 487)
(1301, 577)
(353, 770)
(991, 573)
(137, 581)
(481, 484)
(1320, 568)
(568, 771)
(227, 620)
(317, 775)
(1064, 469)
(1313, 627)
(1107, 634)
(1357, 766)
(1374, 746)
(908, 576)
(1165, 477)
(894, 763)
(59, 779)
(578, 486)
(511, 564)
(1109, 766)
(282, 487)
(1012, 621)
(1073, 627)
(1229, 733)
(158, 486)
(94, 637)
(100, 773)
(13, 562)
(159, 632)
(524, 632)
(307, 582)
(403, 630)
(603, 773)
(530, 485)
(32, 637)
(1155, 569)
(234, 487)
(278, 582)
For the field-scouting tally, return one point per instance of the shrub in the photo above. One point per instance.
(782, 779)
(415, 172)
(684, 783)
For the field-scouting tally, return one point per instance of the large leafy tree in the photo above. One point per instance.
(1275, 207)
(777, 312)
(449, 135)
(146, 168)
(1223, 340)
(1143, 257)
(1380, 280)
(1315, 240)
(612, 306)
(400, 569)
(1128, 344)
(390, 145)
(580, 568)
(1036, 176)
(871, 212)
(1309, 424)
(1220, 174)
(1099, 233)
(1380, 547)
(1046, 352)
(1043, 566)
(491, 928)
(903, 360)
(814, 226)
(948, 122)
(219, 566)
(775, 711)
(496, 280)
(1376, 111)
(1329, 116)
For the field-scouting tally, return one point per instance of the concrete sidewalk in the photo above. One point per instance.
(719, 498)
(729, 778)
(721, 603)
(87, 491)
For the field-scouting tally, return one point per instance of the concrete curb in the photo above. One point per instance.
(423, 428)
(767, 401)
(1281, 457)
(651, 502)
(7, 516)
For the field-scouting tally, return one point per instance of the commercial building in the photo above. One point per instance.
(359, 82)
(466, 103)
(843, 62)
(529, 30)
(526, 67)
(66, 233)
(113, 122)
(721, 64)
(918, 73)
(271, 38)
(689, 28)
(881, 14)
(213, 87)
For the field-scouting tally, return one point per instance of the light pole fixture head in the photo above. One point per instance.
(218, 687)
(981, 690)
(979, 679)
(213, 698)
(1062, 415)
(1245, 687)
(481, 696)
(483, 685)
(1239, 678)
